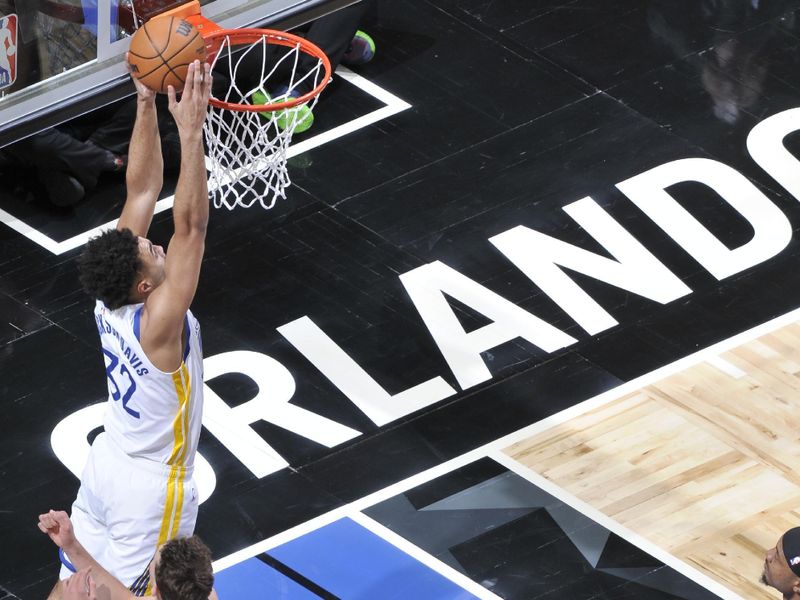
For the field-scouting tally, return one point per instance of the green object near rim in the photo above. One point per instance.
(303, 115)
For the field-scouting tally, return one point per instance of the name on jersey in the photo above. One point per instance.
(104, 327)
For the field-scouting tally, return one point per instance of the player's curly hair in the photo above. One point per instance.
(109, 265)
(184, 570)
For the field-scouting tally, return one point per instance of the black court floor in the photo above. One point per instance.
(441, 274)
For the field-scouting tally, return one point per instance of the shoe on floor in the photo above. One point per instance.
(112, 163)
(115, 163)
(360, 51)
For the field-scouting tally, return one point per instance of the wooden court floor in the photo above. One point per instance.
(704, 463)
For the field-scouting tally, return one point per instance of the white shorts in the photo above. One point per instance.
(126, 507)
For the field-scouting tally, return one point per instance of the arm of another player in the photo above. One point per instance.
(80, 586)
(58, 527)
(165, 308)
(92, 581)
(145, 174)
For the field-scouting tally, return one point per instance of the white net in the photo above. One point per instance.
(247, 149)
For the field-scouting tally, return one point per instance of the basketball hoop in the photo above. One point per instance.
(248, 130)
(271, 76)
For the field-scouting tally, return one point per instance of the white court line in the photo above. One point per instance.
(280, 538)
(29, 232)
(426, 559)
(620, 530)
(493, 450)
(393, 106)
(726, 367)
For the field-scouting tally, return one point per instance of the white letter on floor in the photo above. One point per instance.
(765, 144)
(633, 267)
(231, 426)
(771, 229)
(427, 285)
(355, 383)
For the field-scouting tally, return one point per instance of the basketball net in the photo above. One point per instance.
(249, 129)
(247, 132)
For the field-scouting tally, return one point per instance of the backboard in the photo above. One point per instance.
(63, 58)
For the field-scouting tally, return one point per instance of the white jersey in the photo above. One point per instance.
(151, 414)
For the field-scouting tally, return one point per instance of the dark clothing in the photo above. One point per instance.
(55, 150)
(334, 32)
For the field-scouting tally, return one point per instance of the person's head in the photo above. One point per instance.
(120, 268)
(782, 565)
(181, 570)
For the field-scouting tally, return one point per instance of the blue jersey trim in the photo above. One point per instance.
(187, 335)
(137, 324)
(65, 561)
(139, 587)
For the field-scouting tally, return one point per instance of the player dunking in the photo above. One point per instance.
(137, 489)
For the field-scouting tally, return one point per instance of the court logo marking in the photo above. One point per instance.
(8, 50)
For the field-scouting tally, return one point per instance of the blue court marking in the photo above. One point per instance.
(254, 580)
(342, 560)
(353, 563)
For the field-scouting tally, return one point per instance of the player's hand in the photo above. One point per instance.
(58, 527)
(80, 586)
(144, 92)
(190, 112)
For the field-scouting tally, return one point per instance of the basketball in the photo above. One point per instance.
(161, 51)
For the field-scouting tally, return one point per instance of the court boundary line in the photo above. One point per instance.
(392, 105)
(630, 536)
(423, 556)
(493, 449)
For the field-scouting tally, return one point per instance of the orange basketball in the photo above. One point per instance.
(162, 50)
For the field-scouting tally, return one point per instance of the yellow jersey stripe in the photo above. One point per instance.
(184, 410)
(173, 507)
(178, 506)
(176, 472)
(169, 507)
(187, 387)
(177, 424)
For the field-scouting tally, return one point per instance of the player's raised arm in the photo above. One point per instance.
(165, 308)
(145, 174)
(58, 527)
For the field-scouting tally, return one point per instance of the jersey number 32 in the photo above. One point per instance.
(120, 376)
